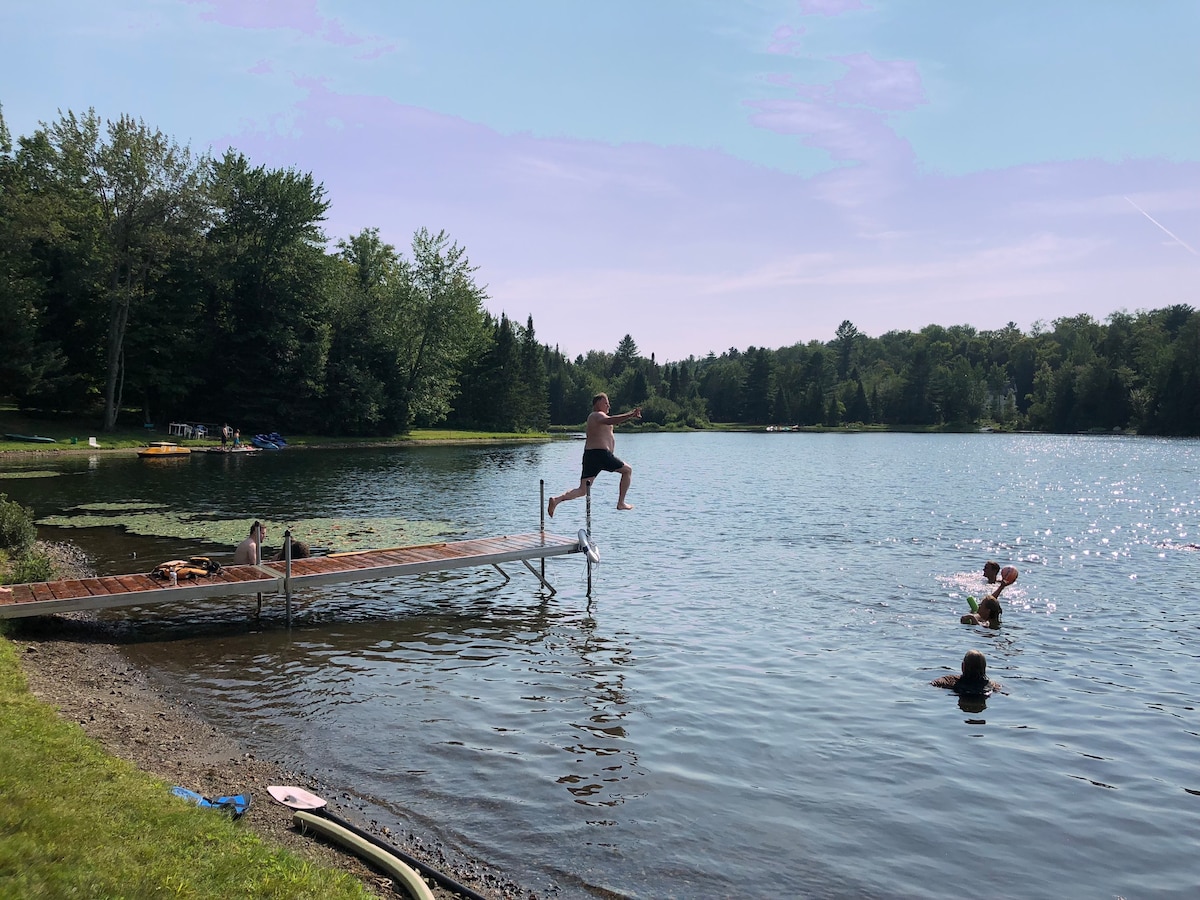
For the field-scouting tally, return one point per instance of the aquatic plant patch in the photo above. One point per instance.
(335, 534)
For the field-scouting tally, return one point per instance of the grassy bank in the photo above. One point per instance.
(76, 822)
(73, 434)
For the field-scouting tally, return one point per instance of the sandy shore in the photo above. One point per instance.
(72, 663)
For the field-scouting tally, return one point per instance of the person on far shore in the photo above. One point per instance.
(973, 681)
(598, 454)
(248, 551)
(226, 434)
(237, 437)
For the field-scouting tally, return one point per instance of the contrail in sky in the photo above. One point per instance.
(1174, 237)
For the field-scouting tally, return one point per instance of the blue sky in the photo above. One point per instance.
(698, 174)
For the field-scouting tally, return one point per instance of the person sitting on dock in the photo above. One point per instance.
(248, 551)
(973, 681)
(598, 454)
(300, 550)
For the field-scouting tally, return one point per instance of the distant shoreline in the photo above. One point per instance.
(76, 450)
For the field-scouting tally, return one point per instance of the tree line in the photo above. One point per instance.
(1134, 372)
(139, 276)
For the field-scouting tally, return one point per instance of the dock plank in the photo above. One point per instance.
(68, 590)
(21, 593)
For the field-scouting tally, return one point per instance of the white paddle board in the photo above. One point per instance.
(295, 797)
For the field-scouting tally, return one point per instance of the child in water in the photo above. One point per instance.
(973, 681)
(989, 610)
(987, 614)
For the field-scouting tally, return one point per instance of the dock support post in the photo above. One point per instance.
(287, 574)
(542, 519)
(258, 562)
(547, 585)
(589, 534)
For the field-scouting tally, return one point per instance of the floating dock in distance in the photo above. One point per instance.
(110, 591)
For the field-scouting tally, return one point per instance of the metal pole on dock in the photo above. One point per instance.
(589, 534)
(258, 562)
(287, 574)
(542, 517)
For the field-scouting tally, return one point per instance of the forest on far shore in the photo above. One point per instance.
(138, 275)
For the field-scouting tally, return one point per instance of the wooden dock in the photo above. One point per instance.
(109, 591)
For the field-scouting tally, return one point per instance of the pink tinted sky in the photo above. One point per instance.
(698, 174)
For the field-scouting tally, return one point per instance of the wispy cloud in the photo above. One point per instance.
(879, 84)
(830, 7)
(302, 16)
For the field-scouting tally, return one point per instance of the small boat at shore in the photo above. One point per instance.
(160, 449)
(272, 441)
(30, 438)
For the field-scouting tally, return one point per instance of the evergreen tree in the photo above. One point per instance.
(534, 383)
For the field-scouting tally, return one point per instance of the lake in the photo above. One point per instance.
(742, 707)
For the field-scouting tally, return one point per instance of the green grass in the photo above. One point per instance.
(75, 822)
(416, 436)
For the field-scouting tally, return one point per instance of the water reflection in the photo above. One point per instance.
(326, 666)
(972, 704)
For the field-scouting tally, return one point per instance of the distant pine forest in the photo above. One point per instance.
(141, 279)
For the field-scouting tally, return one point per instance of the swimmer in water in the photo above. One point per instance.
(988, 613)
(989, 607)
(973, 681)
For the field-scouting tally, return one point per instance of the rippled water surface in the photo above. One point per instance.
(743, 706)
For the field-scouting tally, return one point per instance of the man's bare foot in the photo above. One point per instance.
(624, 506)
(550, 506)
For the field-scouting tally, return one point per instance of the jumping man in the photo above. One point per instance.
(598, 453)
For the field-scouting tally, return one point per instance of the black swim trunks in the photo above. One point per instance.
(599, 460)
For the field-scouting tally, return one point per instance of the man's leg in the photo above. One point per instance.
(626, 477)
(574, 493)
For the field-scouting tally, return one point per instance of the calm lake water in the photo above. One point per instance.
(743, 706)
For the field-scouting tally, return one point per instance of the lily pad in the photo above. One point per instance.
(336, 534)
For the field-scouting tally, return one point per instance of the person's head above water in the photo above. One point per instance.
(973, 682)
(989, 610)
(991, 569)
(974, 666)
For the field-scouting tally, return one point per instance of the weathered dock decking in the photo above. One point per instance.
(106, 592)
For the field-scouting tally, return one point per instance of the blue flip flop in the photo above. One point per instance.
(234, 804)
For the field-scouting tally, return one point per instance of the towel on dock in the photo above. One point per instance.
(193, 567)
